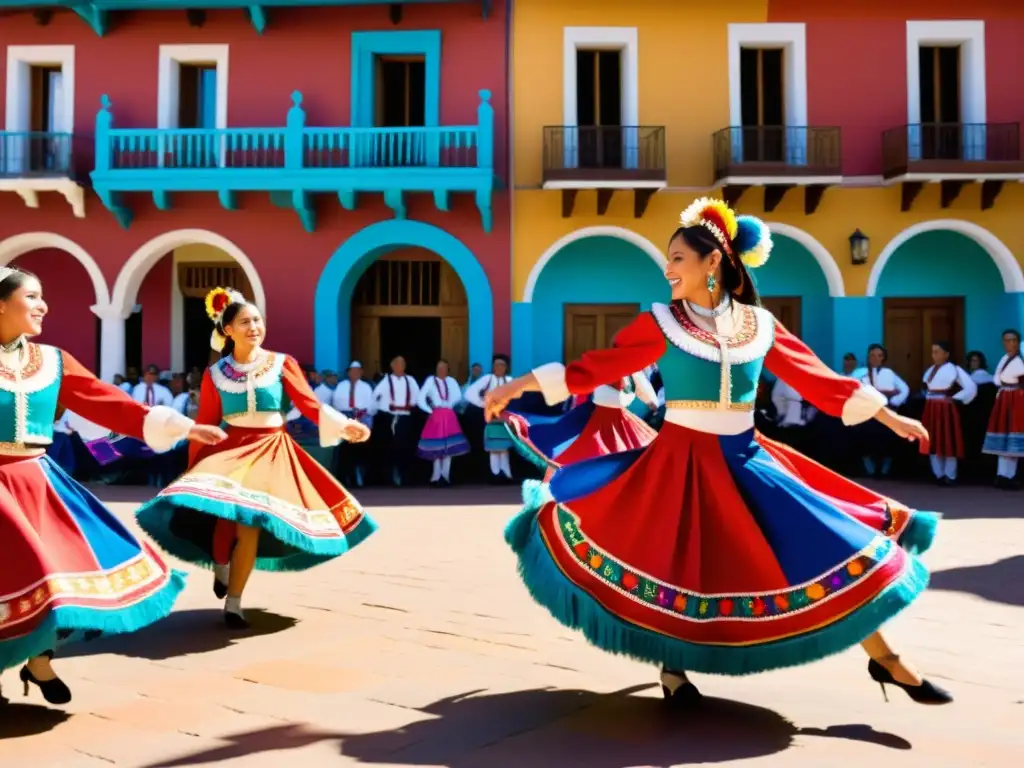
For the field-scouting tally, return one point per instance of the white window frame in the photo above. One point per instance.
(169, 84)
(792, 39)
(970, 36)
(624, 39)
(20, 60)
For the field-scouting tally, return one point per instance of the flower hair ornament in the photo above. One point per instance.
(744, 236)
(217, 301)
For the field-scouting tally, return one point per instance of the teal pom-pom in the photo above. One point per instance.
(753, 241)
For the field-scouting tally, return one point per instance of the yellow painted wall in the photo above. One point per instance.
(875, 211)
(683, 85)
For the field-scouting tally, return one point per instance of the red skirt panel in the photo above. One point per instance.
(1005, 433)
(609, 430)
(941, 418)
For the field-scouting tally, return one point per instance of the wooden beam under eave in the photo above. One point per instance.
(950, 191)
(909, 190)
(989, 192)
(812, 197)
(731, 193)
(773, 195)
(604, 198)
(641, 197)
(568, 202)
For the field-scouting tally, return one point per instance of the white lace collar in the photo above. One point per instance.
(752, 340)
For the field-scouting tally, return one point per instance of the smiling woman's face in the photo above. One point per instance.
(23, 311)
(686, 271)
(247, 328)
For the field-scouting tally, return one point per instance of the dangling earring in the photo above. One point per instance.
(712, 282)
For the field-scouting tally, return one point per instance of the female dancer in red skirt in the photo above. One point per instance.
(1005, 435)
(257, 499)
(69, 566)
(946, 385)
(713, 549)
(595, 426)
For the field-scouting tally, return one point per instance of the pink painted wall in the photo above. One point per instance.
(68, 292)
(303, 49)
(857, 65)
(155, 298)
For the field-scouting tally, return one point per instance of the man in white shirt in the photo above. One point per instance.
(396, 395)
(151, 392)
(354, 398)
(325, 390)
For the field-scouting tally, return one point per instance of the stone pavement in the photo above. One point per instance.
(421, 648)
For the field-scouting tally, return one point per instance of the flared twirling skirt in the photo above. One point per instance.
(259, 478)
(718, 554)
(585, 432)
(442, 436)
(1005, 433)
(69, 565)
(496, 438)
(941, 418)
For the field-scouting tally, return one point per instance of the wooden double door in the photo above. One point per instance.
(913, 325)
(593, 326)
(411, 304)
(787, 310)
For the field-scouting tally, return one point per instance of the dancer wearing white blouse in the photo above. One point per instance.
(878, 443)
(946, 384)
(442, 436)
(1005, 435)
(497, 442)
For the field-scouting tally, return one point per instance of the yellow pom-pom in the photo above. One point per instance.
(217, 341)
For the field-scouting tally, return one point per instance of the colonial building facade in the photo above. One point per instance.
(879, 140)
(339, 162)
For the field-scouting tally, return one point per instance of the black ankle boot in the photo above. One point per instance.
(55, 691)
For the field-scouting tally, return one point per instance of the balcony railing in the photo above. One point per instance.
(786, 151)
(604, 153)
(297, 158)
(940, 148)
(35, 153)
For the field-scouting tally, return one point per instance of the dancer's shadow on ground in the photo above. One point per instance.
(21, 720)
(546, 727)
(181, 634)
(1000, 582)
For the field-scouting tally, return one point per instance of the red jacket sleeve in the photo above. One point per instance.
(209, 411)
(101, 403)
(793, 362)
(293, 378)
(635, 347)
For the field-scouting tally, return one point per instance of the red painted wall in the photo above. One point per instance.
(68, 293)
(303, 49)
(857, 65)
(155, 298)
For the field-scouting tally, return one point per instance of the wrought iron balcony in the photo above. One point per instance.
(40, 161)
(298, 160)
(933, 149)
(782, 152)
(598, 155)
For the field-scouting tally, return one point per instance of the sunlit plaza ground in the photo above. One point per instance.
(422, 648)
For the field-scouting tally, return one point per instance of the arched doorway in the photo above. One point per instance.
(341, 313)
(589, 288)
(161, 290)
(64, 268)
(796, 289)
(940, 285)
(412, 303)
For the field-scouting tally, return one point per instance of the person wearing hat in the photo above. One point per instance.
(354, 398)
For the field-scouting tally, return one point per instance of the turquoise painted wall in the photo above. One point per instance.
(595, 270)
(793, 271)
(858, 324)
(943, 263)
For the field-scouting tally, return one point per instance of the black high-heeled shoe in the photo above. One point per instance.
(234, 621)
(686, 696)
(55, 691)
(925, 693)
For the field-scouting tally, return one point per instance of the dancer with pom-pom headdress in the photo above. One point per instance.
(714, 549)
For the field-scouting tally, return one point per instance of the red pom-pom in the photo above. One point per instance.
(220, 302)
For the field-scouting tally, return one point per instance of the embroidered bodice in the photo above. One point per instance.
(704, 370)
(247, 389)
(30, 379)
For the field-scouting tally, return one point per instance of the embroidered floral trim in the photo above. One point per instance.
(754, 340)
(33, 363)
(673, 600)
(235, 378)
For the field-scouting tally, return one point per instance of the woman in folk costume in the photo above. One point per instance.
(713, 549)
(257, 499)
(442, 437)
(596, 426)
(69, 566)
(947, 386)
(497, 442)
(1005, 435)
(875, 441)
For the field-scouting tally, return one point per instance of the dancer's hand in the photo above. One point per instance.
(207, 434)
(908, 429)
(498, 399)
(355, 432)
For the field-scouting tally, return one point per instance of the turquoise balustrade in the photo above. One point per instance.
(297, 161)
